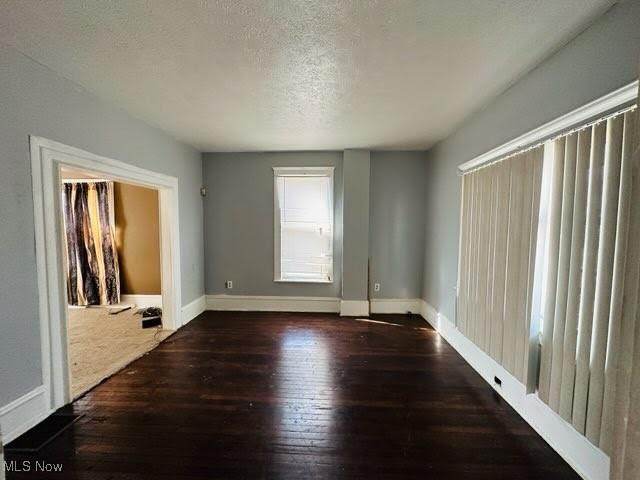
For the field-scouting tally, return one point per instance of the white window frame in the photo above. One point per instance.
(277, 244)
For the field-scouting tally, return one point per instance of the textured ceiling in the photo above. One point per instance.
(295, 75)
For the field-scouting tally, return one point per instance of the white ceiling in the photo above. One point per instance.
(295, 75)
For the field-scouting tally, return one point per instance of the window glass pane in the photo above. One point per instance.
(542, 254)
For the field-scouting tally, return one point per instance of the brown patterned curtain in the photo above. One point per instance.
(93, 277)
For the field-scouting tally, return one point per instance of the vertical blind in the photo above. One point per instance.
(579, 275)
(625, 449)
(499, 224)
(584, 285)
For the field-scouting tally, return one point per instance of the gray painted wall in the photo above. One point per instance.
(238, 222)
(355, 224)
(604, 57)
(396, 226)
(34, 100)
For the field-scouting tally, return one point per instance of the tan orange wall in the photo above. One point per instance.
(137, 218)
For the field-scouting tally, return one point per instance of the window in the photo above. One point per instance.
(541, 264)
(303, 226)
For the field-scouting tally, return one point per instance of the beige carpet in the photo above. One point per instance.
(101, 344)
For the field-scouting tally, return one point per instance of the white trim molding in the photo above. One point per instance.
(142, 301)
(47, 160)
(354, 308)
(620, 98)
(23, 413)
(248, 303)
(587, 460)
(192, 309)
(396, 305)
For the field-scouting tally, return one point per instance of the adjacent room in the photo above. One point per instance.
(112, 258)
(320, 239)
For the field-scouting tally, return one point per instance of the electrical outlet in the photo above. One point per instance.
(228, 284)
(376, 287)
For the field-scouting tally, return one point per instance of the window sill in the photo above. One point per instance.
(300, 280)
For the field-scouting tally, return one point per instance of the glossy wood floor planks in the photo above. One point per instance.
(237, 395)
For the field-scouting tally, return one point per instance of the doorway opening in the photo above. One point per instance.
(113, 277)
(52, 164)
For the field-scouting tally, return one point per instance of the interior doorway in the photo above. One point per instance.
(49, 161)
(113, 275)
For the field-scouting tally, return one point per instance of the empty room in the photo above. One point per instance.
(306, 239)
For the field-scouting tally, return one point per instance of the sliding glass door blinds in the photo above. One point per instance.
(549, 258)
(584, 289)
(499, 224)
(625, 449)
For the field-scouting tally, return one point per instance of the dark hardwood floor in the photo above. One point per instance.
(297, 396)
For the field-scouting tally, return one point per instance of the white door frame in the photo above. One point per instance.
(47, 159)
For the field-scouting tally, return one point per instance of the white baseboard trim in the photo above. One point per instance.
(30, 409)
(587, 460)
(354, 308)
(249, 303)
(396, 305)
(142, 301)
(23, 413)
(193, 309)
